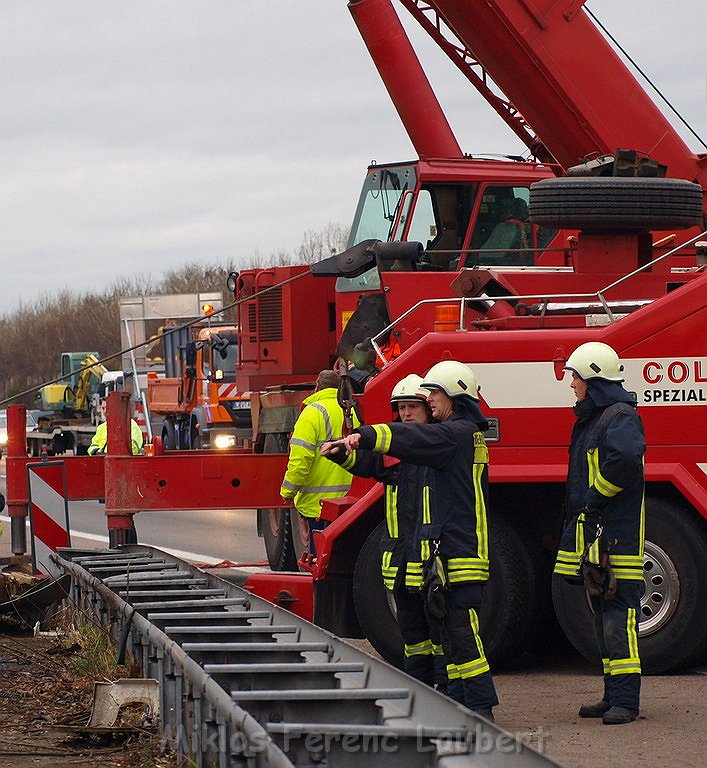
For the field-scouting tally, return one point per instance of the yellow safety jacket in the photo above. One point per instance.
(310, 477)
(98, 444)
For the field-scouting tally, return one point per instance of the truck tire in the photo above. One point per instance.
(509, 608)
(615, 204)
(300, 534)
(169, 435)
(673, 622)
(375, 605)
(274, 524)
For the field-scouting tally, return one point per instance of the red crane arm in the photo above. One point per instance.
(560, 76)
(404, 78)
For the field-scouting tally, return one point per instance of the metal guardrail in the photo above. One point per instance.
(246, 683)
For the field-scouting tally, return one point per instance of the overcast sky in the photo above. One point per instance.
(142, 135)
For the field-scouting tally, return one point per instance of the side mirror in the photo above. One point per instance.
(190, 353)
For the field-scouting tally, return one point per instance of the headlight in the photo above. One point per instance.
(3, 438)
(224, 441)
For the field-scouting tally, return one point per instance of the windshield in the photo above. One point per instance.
(377, 210)
(226, 359)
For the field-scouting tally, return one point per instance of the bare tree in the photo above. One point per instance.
(33, 337)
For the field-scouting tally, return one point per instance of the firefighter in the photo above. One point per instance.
(310, 477)
(454, 531)
(603, 534)
(406, 485)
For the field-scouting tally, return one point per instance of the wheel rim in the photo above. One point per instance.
(662, 590)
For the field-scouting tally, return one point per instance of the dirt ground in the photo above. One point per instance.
(40, 695)
(44, 704)
(540, 704)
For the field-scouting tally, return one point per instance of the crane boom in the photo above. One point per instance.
(564, 78)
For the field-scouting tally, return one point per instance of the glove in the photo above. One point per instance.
(599, 580)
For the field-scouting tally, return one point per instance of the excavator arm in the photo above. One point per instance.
(90, 368)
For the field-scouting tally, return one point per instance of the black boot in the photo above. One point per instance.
(594, 710)
(619, 716)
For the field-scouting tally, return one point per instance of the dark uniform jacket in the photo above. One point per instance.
(407, 494)
(605, 478)
(455, 514)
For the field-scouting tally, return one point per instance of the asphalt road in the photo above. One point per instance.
(205, 536)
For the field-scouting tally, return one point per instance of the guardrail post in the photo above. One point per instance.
(16, 480)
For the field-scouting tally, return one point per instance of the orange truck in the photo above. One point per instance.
(198, 399)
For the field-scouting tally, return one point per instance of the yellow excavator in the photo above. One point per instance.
(73, 395)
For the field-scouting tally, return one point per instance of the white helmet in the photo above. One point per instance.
(453, 378)
(595, 360)
(408, 389)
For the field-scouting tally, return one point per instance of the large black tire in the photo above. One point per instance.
(673, 623)
(299, 527)
(275, 523)
(615, 204)
(375, 606)
(507, 620)
(509, 612)
(169, 435)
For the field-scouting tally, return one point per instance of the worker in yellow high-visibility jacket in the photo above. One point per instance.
(310, 477)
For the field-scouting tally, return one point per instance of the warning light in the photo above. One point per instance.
(207, 309)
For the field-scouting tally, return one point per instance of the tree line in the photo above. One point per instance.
(33, 337)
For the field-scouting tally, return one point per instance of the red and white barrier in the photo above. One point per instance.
(48, 514)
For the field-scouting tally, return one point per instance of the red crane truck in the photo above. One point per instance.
(520, 317)
(521, 297)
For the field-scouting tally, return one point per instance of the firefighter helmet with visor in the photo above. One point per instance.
(453, 378)
(408, 389)
(595, 360)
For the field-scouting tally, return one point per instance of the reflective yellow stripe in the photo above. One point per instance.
(425, 550)
(604, 487)
(567, 563)
(391, 509)
(592, 465)
(477, 666)
(606, 667)
(349, 461)
(419, 649)
(466, 562)
(437, 650)
(481, 529)
(629, 567)
(628, 574)
(631, 666)
(467, 569)
(593, 555)
(579, 535)
(473, 668)
(632, 634)
(566, 556)
(426, 505)
(563, 569)
(383, 437)
(453, 672)
(635, 561)
(481, 451)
